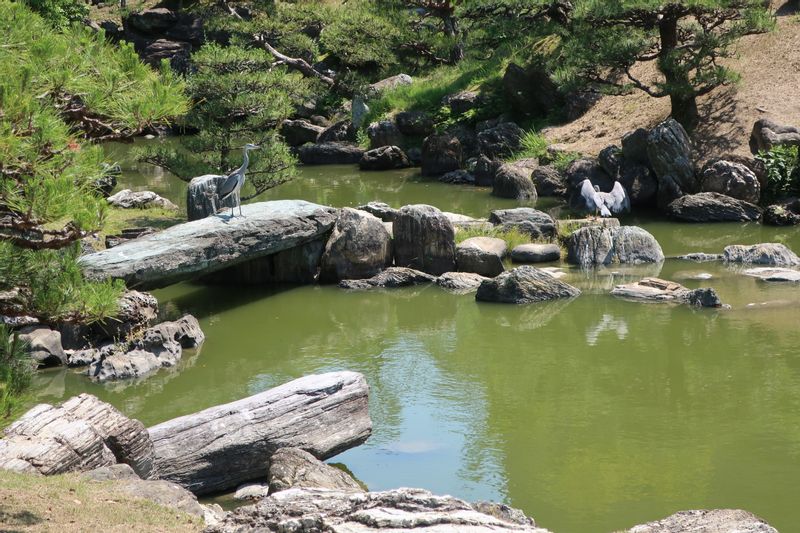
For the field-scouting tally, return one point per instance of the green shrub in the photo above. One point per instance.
(783, 173)
(60, 13)
(513, 236)
(532, 146)
(16, 372)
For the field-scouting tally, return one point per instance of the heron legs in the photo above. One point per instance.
(239, 201)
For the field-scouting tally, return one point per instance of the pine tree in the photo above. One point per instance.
(685, 40)
(239, 98)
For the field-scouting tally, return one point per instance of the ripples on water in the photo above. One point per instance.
(591, 415)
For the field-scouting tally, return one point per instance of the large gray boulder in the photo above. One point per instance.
(587, 168)
(192, 249)
(330, 153)
(299, 132)
(462, 101)
(384, 133)
(43, 345)
(548, 181)
(669, 151)
(598, 245)
(312, 510)
(224, 446)
(767, 133)
(414, 123)
(501, 140)
(712, 207)
(707, 521)
(359, 247)
(511, 181)
(386, 84)
(485, 170)
(769, 254)
(537, 224)
(342, 131)
(424, 239)
(440, 154)
(202, 199)
(383, 211)
(634, 146)
(481, 255)
(522, 285)
(391, 278)
(384, 158)
(293, 468)
(82, 434)
(731, 179)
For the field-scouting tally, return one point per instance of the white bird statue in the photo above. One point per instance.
(606, 203)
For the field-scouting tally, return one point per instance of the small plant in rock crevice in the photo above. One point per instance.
(783, 173)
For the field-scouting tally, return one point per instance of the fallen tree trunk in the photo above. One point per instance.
(226, 445)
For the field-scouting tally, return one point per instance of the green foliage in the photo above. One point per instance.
(513, 236)
(16, 371)
(47, 197)
(360, 38)
(60, 13)
(239, 98)
(783, 176)
(52, 286)
(532, 145)
(426, 93)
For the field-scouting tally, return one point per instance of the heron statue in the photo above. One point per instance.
(605, 203)
(234, 181)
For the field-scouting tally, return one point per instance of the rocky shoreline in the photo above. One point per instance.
(259, 439)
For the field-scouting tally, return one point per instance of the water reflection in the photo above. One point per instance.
(607, 323)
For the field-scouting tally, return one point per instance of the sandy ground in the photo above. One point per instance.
(770, 88)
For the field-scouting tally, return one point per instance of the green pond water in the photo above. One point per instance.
(591, 415)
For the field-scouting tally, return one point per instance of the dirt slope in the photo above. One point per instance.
(770, 88)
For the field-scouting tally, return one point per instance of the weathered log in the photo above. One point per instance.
(224, 446)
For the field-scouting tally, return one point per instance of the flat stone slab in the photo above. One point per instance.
(774, 274)
(196, 248)
(660, 290)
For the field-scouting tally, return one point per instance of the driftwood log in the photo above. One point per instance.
(224, 446)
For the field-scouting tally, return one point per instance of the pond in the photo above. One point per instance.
(591, 415)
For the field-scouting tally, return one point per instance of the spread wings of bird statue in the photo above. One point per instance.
(605, 203)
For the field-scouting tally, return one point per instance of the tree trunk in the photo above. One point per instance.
(451, 30)
(681, 93)
(224, 446)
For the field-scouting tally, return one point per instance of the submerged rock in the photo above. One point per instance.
(522, 285)
(707, 521)
(359, 247)
(659, 290)
(390, 278)
(460, 282)
(771, 254)
(701, 257)
(597, 245)
(293, 468)
(311, 510)
(774, 274)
